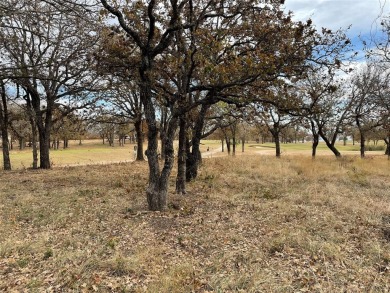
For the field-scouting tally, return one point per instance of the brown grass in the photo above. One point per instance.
(248, 224)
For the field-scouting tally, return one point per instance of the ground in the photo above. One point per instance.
(248, 224)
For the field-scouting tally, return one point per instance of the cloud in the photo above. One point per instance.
(362, 15)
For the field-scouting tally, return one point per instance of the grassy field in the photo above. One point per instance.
(93, 152)
(248, 224)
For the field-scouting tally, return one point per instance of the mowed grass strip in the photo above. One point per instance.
(247, 224)
(92, 152)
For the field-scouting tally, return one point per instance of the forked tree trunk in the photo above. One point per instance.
(158, 181)
(330, 145)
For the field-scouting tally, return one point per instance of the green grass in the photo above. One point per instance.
(90, 152)
(307, 146)
(94, 152)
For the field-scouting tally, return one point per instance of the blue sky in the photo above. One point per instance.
(362, 15)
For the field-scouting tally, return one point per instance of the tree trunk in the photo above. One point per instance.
(4, 128)
(140, 139)
(243, 145)
(5, 143)
(194, 158)
(277, 143)
(228, 145)
(181, 157)
(43, 121)
(362, 137)
(223, 145)
(4, 139)
(330, 145)
(31, 117)
(234, 145)
(315, 145)
(163, 143)
(158, 182)
(362, 145)
(22, 143)
(44, 145)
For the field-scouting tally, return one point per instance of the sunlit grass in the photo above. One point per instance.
(95, 152)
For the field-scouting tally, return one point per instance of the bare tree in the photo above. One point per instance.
(49, 52)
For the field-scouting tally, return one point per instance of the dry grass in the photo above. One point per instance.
(248, 224)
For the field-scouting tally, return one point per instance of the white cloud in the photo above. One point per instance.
(363, 15)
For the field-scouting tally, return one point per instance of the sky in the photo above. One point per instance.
(363, 15)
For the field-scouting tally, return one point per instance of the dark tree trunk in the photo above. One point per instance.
(31, 117)
(330, 145)
(362, 145)
(163, 142)
(140, 140)
(227, 139)
(44, 146)
(276, 137)
(158, 181)
(181, 157)
(4, 129)
(5, 143)
(43, 119)
(22, 143)
(315, 145)
(35, 148)
(194, 159)
(223, 145)
(243, 145)
(362, 138)
(234, 145)
(387, 152)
